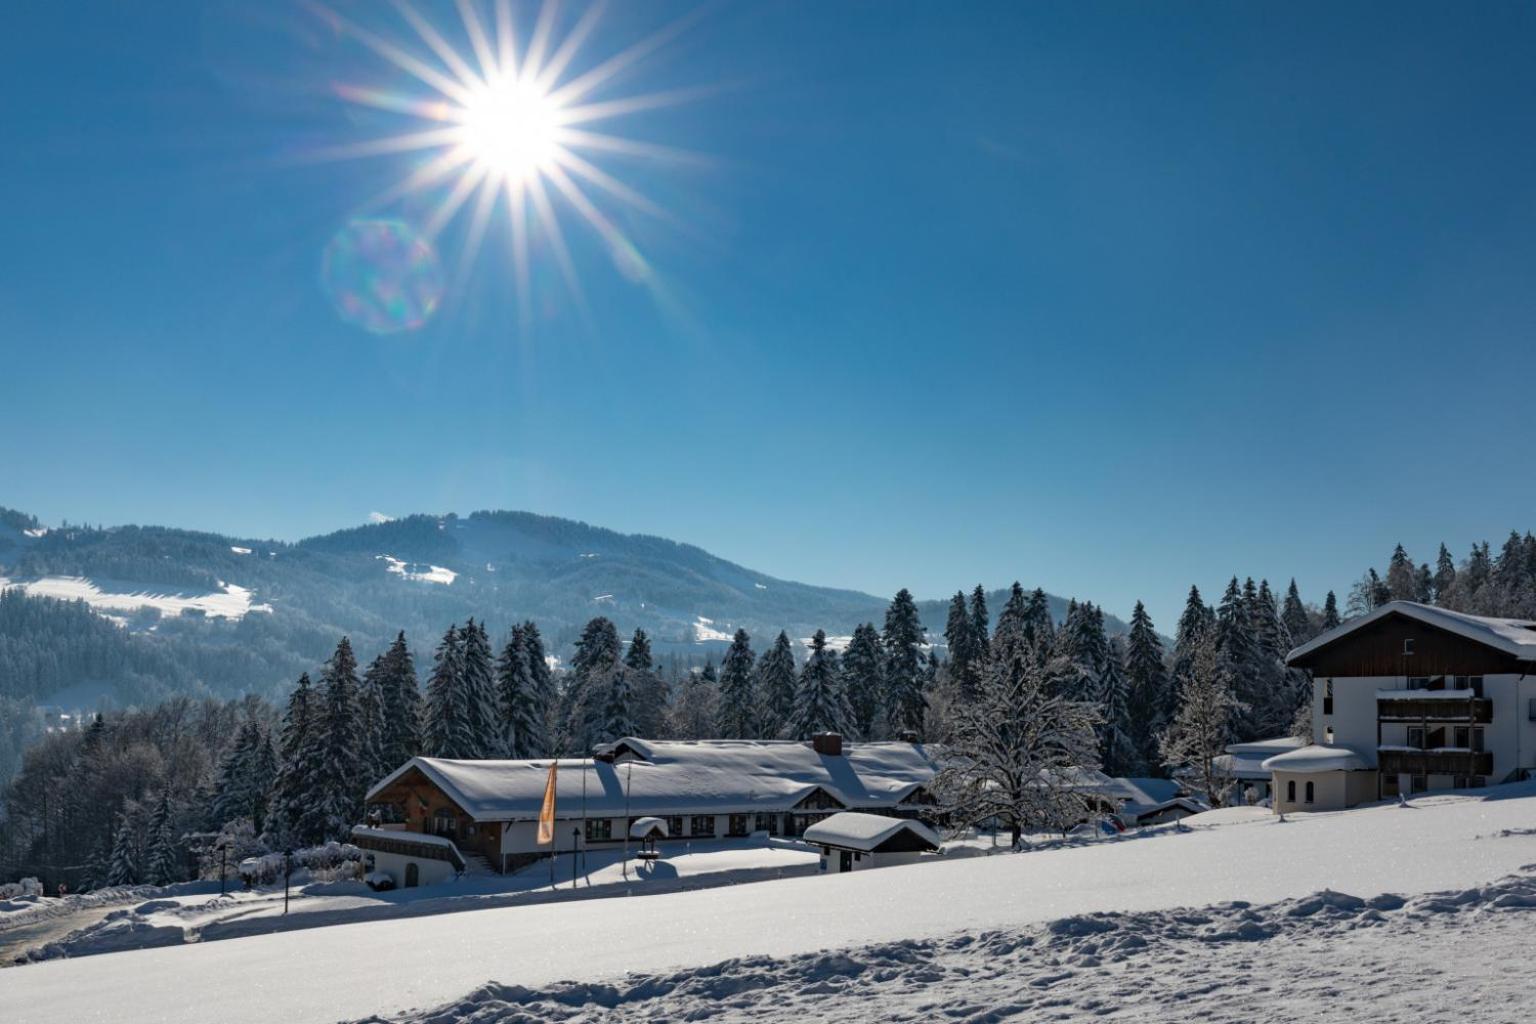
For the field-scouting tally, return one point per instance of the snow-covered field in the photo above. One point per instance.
(418, 571)
(113, 598)
(980, 938)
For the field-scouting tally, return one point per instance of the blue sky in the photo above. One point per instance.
(1109, 298)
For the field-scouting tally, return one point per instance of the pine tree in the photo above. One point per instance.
(863, 666)
(738, 701)
(776, 687)
(546, 690)
(593, 668)
(301, 765)
(1402, 578)
(446, 729)
(521, 718)
(401, 738)
(372, 706)
(1204, 724)
(1118, 753)
(980, 624)
(160, 867)
(1298, 624)
(820, 704)
(964, 658)
(1014, 620)
(694, 715)
(638, 656)
(479, 683)
(1151, 696)
(339, 791)
(618, 708)
(1330, 612)
(905, 670)
(123, 868)
(1445, 576)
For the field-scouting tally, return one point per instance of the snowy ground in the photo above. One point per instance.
(980, 938)
(143, 917)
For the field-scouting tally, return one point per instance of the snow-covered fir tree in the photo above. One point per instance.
(1293, 614)
(300, 764)
(695, 713)
(374, 728)
(338, 792)
(1206, 719)
(162, 860)
(402, 706)
(247, 776)
(1402, 577)
(1039, 626)
(1151, 696)
(1330, 613)
(863, 667)
(446, 729)
(546, 690)
(820, 704)
(906, 703)
(1118, 753)
(521, 718)
(776, 686)
(1014, 749)
(123, 867)
(479, 681)
(981, 624)
(649, 688)
(597, 660)
(1445, 575)
(738, 697)
(965, 660)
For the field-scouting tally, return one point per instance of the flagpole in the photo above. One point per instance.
(583, 853)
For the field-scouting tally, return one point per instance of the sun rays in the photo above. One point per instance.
(501, 127)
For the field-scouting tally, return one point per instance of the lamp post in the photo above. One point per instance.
(287, 873)
(223, 853)
(575, 835)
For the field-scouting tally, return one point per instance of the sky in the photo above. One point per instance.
(1106, 298)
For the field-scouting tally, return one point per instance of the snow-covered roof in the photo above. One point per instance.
(681, 777)
(1515, 637)
(643, 827)
(853, 831)
(1316, 758)
(1278, 745)
(1242, 766)
(1148, 791)
(400, 835)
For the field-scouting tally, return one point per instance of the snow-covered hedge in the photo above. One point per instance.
(326, 863)
(25, 887)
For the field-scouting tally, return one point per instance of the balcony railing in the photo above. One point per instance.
(1434, 762)
(1478, 710)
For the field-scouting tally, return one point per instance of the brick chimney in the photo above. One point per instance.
(828, 743)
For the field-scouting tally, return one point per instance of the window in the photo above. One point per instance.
(445, 823)
(1418, 783)
(1418, 682)
(1416, 737)
(1389, 785)
(1473, 683)
(703, 824)
(599, 829)
(767, 823)
(1531, 710)
(1327, 696)
(1407, 646)
(675, 826)
(1309, 792)
(738, 825)
(1290, 791)
(1463, 739)
(1477, 740)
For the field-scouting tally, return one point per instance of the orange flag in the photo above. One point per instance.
(547, 812)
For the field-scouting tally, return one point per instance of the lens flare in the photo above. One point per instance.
(381, 276)
(501, 125)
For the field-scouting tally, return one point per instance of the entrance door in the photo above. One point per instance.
(412, 875)
(844, 861)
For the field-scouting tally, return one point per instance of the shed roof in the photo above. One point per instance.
(850, 830)
(680, 777)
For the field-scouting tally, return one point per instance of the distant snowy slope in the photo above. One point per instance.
(352, 971)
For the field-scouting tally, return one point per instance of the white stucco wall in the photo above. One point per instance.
(429, 872)
(1510, 737)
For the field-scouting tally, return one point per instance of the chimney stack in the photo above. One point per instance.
(828, 743)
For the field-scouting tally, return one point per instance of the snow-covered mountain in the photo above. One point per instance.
(272, 609)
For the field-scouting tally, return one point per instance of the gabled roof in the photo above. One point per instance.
(850, 830)
(681, 777)
(1515, 637)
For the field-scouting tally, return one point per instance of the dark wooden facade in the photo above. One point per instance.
(423, 807)
(1435, 762)
(1377, 650)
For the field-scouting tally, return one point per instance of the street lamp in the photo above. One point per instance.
(287, 873)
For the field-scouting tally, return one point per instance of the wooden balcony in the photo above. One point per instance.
(1476, 710)
(1435, 762)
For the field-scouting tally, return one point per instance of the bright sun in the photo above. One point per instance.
(511, 129)
(505, 121)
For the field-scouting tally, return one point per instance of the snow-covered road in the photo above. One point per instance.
(352, 971)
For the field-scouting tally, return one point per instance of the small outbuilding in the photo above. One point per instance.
(1321, 778)
(861, 841)
(408, 859)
